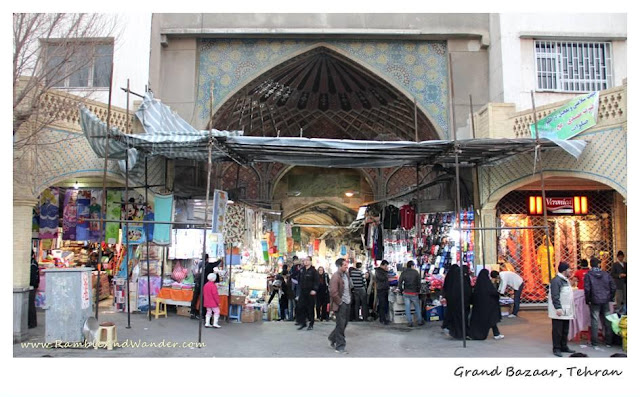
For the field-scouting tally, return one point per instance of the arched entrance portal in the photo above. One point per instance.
(324, 94)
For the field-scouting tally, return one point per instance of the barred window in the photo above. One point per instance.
(573, 66)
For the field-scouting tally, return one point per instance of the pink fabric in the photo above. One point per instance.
(582, 319)
(210, 293)
(215, 310)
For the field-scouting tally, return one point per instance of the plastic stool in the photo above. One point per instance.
(110, 336)
(160, 312)
(235, 314)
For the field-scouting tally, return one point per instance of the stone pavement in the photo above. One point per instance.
(526, 336)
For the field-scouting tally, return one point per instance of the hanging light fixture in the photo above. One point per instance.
(350, 193)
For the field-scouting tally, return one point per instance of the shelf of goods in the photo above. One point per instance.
(440, 241)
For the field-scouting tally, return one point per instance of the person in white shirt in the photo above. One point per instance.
(510, 279)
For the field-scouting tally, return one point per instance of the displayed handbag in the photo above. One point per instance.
(179, 273)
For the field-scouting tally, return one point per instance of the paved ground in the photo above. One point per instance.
(526, 336)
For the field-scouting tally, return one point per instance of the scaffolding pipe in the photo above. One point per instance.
(455, 151)
(544, 196)
(126, 225)
(104, 194)
(146, 201)
(477, 177)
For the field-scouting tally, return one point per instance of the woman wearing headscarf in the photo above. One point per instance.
(486, 308)
(323, 296)
(453, 320)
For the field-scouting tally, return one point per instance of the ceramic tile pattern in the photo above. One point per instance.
(419, 68)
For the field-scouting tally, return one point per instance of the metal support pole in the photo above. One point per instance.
(146, 201)
(230, 271)
(477, 177)
(104, 194)
(415, 117)
(456, 149)
(419, 217)
(126, 225)
(544, 195)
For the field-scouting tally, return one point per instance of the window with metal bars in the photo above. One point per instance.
(571, 238)
(565, 66)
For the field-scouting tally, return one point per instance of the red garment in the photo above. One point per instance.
(580, 276)
(210, 293)
(316, 245)
(407, 217)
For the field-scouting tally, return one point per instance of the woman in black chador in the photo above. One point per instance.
(453, 320)
(485, 314)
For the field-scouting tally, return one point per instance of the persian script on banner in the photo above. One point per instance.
(220, 199)
(570, 120)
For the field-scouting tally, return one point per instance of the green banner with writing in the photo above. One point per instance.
(570, 120)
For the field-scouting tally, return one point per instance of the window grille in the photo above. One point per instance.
(573, 66)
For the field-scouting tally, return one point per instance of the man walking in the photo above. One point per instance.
(619, 274)
(599, 290)
(382, 291)
(308, 281)
(513, 280)
(359, 292)
(409, 286)
(339, 288)
(561, 309)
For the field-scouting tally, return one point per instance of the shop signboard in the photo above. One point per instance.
(577, 205)
(570, 120)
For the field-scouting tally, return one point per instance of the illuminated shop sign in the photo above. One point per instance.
(577, 205)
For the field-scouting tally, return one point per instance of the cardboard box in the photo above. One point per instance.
(183, 311)
(257, 315)
(237, 299)
(434, 313)
(248, 316)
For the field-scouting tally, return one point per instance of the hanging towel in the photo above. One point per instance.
(163, 206)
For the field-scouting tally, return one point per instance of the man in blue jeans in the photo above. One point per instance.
(510, 279)
(599, 290)
(409, 286)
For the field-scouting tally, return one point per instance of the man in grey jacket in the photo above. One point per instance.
(409, 286)
(340, 295)
(561, 309)
(599, 290)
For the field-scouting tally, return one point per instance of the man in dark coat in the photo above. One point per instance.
(339, 288)
(485, 313)
(34, 282)
(619, 275)
(308, 281)
(409, 286)
(382, 291)
(599, 290)
(208, 269)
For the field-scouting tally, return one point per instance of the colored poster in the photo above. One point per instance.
(570, 120)
(69, 214)
(49, 214)
(114, 212)
(83, 215)
(135, 233)
(95, 214)
(220, 199)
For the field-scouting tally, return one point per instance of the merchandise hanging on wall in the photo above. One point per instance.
(70, 212)
(114, 212)
(220, 200)
(565, 244)
(135, 212)
(95, 211)
(163, 205)
(49, 214)
(82, 225)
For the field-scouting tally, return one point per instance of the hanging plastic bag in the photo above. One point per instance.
(615, 322)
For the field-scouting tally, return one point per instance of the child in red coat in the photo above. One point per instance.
(211, 300)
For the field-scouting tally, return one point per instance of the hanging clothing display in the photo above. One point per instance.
(82, 224)
(407, 217)
(322, 250)
(114, 213)
(543, 261)
(566, 246)
(163, 209)
(69, 217)
(49, 214)
(391, 217)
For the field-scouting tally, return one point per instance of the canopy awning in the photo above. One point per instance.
(169, 136)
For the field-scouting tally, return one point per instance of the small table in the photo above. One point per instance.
(582, 317)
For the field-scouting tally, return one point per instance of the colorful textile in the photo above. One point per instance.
(135, 231)
(218, 218)
(295, 233)
(234, 224)
(83, 215)
(49, 213)
(282, 238)
(95, 214)
(35, 222)
(114, 212)
(69, 217)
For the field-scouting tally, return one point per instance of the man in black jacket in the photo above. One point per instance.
(409, 286)
(599, 290)
(619, 275)
(208, 269)
(382, 291)
(308, 281)
(34, 282)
